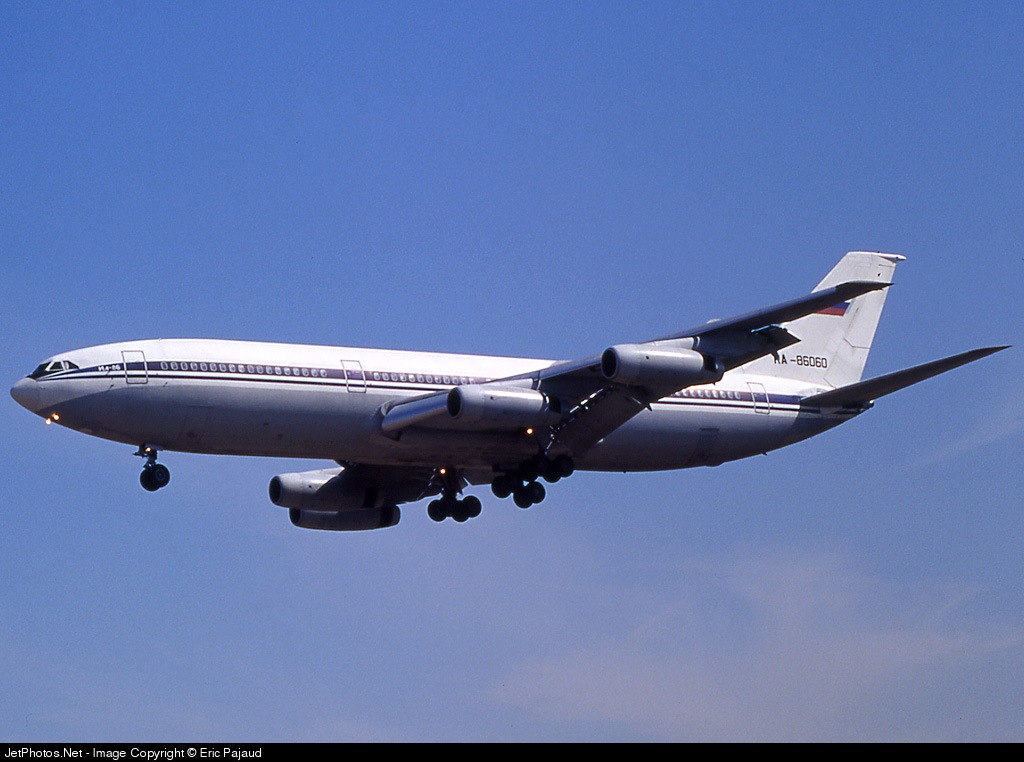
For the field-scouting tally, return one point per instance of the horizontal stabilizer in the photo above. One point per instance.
(866, 391)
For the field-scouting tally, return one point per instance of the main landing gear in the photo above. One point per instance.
(154, 475)
(449, 505)
(522, 483)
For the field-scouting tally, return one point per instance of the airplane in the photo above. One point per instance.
(406, 426)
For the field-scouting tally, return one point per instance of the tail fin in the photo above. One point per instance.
(834, 342)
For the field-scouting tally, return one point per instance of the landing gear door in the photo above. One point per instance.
(354, 378)
(135, 367)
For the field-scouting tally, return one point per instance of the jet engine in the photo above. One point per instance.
(331, 490)
(347, 521)
(502, 406)
(639, 365)
(332, 499)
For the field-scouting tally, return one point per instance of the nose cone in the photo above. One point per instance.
(26, 394)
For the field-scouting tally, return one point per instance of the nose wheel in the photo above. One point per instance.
(154, 475)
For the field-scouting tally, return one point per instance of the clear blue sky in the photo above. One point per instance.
(537, 179)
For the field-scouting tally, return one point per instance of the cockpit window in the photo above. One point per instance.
(52, 366)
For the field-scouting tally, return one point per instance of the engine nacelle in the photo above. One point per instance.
(502, 406)
(348, 521)
(330, 491)
(639, 365)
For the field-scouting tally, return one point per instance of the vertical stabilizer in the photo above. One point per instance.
(834, 342)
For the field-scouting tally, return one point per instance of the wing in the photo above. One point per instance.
(602, 404)
(408, 484)
(360, 496)
(572, 405)
(392, 484)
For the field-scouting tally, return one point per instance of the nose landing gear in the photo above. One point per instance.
(154, 475)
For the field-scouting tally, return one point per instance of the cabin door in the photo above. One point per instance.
(354, 379)
(135, 367)
(762, 405)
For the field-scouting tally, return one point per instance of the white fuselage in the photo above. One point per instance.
(302, 401)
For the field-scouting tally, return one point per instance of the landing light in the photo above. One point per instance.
(55, 417)
(529, 432)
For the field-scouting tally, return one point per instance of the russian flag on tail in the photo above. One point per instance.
(835, 309)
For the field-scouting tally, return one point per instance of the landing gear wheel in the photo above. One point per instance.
(529, 469)
(154, 476)
(146, 480)
(529, 494)
(536, 492)
(436, 511)
(450, 507)
(523, 484)
(564, 466)
(472, 506)
(160, 475)
(503, 486)
(551, 472)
